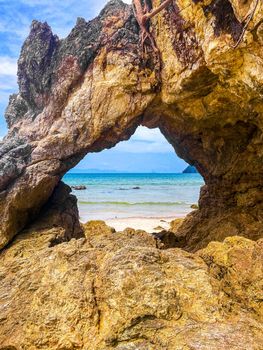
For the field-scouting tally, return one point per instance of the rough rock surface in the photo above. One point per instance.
(91, 90)
(64, 286)
(119, 291)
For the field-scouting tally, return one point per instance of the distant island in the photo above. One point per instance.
(190, 170)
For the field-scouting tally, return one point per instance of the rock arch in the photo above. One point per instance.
(91, 90)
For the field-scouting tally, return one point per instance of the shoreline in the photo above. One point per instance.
(148, 224)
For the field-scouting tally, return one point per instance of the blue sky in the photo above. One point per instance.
(146, 151)
(15, 19)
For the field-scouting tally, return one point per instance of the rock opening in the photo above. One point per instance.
(91, 90)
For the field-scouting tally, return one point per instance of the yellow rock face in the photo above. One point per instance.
(118, 291)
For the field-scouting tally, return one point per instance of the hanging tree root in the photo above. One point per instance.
(143, 14)
(247, 21)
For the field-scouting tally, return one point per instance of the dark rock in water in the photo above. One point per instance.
(136, 188)
(194, 206)
(79, 188)
(190, 170)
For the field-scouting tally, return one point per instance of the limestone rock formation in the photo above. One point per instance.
(92, 89)
(119, 291)
(66, 286)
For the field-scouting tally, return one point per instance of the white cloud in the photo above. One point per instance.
(145, 140)
(151, 135)
(8, 79)
(8, 83)
(8, 66)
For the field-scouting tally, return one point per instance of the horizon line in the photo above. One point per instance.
(128, 172)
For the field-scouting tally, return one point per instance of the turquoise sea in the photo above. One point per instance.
(111, 196)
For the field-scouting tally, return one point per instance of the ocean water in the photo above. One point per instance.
(110, 196)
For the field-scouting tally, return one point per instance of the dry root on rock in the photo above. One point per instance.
(143, 12)
(248, 19)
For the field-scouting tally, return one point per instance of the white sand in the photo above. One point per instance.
(147, 224)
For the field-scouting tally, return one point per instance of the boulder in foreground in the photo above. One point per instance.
(118, 291)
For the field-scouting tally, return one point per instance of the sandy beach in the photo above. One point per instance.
(139, 223)
(146, 201)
